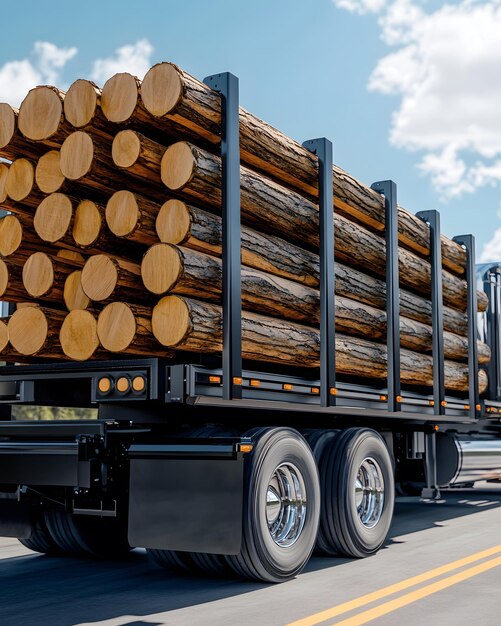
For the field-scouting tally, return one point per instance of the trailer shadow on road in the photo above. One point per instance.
(37, 589)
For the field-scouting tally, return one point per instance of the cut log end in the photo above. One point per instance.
(170, 321)
(4, 277)
(48, 175)
(161, 268)
(78, 335)
(119, 97)
(87, 224)
(77, 154)
(126, 148)
(122, 213)
(7, 124)
(38, 275)
(161, 89)
(73, 294)
(173, 222)
(116, 327)
(40, 113)
(4, 170)
(177, 166)
(99, 277)
(11, 235)
(80, 103)
(53, 217)
(28, 330)
(4, 335)
(20, 179)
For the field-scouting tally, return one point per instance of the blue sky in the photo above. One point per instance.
(405, 89)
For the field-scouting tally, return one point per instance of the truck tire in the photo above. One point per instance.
(180, 562)
(94, 536)
(281, 484)
(358, 493)
(41, 540)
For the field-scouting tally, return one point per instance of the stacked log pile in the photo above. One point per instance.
(112, 244)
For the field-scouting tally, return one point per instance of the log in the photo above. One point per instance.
(11, 234)
(41, 116)
(53, 218)
(48, 175)
(124, 327)
(121, 104)
(138, 155)
(4, 170)
(20, 183)
(12, 144)
(132, 217)
(104, 277)
(73, 294)
(82, 109)
(11, 284)
(173, 95)
(168, 269)
(78, 335)
(86, 160)
(44, 275)
(34, 330)
(186, 324)
(196, 174)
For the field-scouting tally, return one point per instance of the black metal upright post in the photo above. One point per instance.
(468, 242)
(227, 85)
(437, 313)
(322, 147)
(389, 190)
(492, 288)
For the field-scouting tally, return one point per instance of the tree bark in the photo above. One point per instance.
(182, 224)
(185, 324)
(196, 174)
(167, 269)
(175, 96)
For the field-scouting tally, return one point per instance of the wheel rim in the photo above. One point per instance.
(369, 492)
(286, 504)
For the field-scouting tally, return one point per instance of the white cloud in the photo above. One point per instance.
(445, 67)
(134, 59)
(45, 66)
(360, 6)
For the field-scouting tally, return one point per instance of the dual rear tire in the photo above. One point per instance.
(336, 493)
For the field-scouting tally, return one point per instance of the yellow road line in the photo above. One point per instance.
(418, 594)
(400, 586)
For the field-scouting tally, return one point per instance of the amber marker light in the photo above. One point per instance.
(245, 447)
(237, 380)
(255, 383)
(215, 379)
(123, 384)
(104, 385)
(138, 384)
(315, 390)
(287, 387)
(333, 391)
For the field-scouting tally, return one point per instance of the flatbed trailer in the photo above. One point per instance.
(218, 463)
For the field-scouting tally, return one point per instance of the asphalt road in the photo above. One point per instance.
(41, 590)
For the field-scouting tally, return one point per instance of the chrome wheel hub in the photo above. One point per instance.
(286, 504)
(369, 492)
